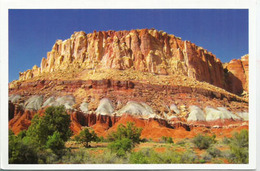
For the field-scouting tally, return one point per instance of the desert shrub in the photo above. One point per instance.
(149, 156)
(85, 136)
(129, 131)
(80, 156)
(144, 140)
(239, 147)
(206, 156)
(189, 157)
(21, 152)
(202, 161)
(101, 139)
(169, 140)
(226, 140)
(124, 139)
(121, 146)
(217, 161)
(109, 158)
(138, 158)
(203, 142)
(214, 152)
(165, 139)
(181, 143)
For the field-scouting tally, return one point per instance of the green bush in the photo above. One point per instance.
(55, 142)
(203, 142)
(239, 147)
(165, 139)
(121, 146)
(181, 143)
(189, 157)
(21, 152)
(49, 131)
(54, 119)
(169, 140)
(214, 152)
(124, 139)
(85, 137)
(80, 156)
(129, 131)
(138, 158)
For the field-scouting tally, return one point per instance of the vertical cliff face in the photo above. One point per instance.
(237, 75)
(145, 50)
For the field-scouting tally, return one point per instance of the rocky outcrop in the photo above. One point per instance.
(237, 75)
(106, 117)
(67, 101)
(140, 110)
(196, 114)
(145, 50)
(34, 103)
(105, 107)
(149, 77)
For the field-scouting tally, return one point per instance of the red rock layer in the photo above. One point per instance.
(133, 90)
(151, 128)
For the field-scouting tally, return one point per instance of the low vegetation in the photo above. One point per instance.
(47, 142)
(204, 142)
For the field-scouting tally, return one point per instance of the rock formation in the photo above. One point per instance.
(167, 86)
(146, 50)
(237, 75)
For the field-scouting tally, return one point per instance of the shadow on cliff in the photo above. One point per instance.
(233, 83)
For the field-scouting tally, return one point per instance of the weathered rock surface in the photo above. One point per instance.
(14, 98)
(84, 107)
(140, 110)
(105, 118)
(196, 114)
(145, 50)
(219, 114)
(34, 103)
(149, 77)
(174, 108)
(105, 107)
(237, 75)
(67, 101)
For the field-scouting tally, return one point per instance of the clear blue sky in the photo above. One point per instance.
(32, 33)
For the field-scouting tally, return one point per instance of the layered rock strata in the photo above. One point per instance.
(167, 86)
(145, 50)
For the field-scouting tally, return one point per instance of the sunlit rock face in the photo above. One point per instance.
(167, 86)
(146, 50)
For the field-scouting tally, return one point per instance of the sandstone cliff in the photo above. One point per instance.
(237, 75)
(167, 86)
(146, 50)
